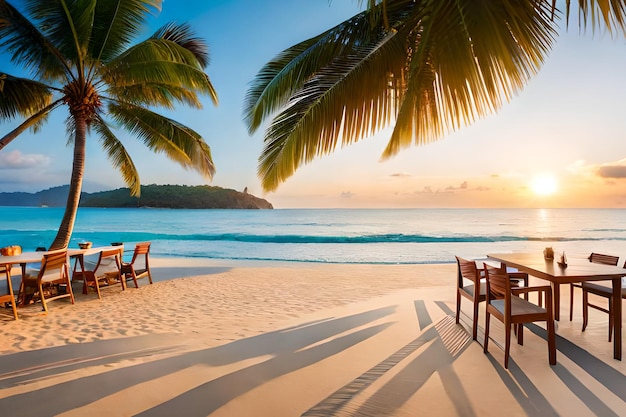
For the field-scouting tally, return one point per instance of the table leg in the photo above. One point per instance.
(20, 293)
(80, 259)
(556, 300)
(617, 318)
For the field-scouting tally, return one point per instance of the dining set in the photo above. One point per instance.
(45, 274)
(501, 281)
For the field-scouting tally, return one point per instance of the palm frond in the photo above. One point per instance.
(184, 36)
(32, 122)
(164, 135)
(284, 75)
(470, 57)
(274, 84)
(116, 22)
(441, 65)
(155, 94)
(28, 47)
(119, 158)
(333, 106)
(598, 14)
(22, 97)
(158, 62)
(333, 103)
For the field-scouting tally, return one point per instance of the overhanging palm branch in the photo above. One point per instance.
(427, 67)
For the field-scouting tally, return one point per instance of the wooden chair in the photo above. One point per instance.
(475, 292)
(139, 266)
(504, 303)
(467, 270)
(597, 258)
(107, 268)
(604, 291)
(9, 297)
(46, 286)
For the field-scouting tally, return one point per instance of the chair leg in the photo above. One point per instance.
(14, 307)
(12, 296)
(95, 279)
(585, 309)
(475, 321)
(610, 319)
(507, 344)
(69, 289)
(43, 299)
(485, 344)
(520, 334)
(571, 302)
(551, 342)
(458, 306)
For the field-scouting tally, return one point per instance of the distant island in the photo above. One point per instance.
(153, 196)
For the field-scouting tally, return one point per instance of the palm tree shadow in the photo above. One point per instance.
(288, 346)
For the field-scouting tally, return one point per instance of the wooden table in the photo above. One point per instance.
(34, 257)
(578, 270)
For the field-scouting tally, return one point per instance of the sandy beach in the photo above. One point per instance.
(277, 339)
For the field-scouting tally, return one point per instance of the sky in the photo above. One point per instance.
(558, 143)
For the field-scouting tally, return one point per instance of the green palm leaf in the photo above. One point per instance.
(164, 135)
(156, 62)
(118, 156)
(22, 97)
(429, 67)
(28, 46)
(183, 36)
(116, 23)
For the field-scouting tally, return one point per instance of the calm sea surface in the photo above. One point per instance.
(385, 236)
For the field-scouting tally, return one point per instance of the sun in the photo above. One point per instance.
(544, 184)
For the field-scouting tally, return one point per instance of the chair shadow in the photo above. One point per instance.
(288, 348)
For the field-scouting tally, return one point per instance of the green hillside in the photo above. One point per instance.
(157, 196)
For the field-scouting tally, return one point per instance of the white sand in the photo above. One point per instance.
(268, 339)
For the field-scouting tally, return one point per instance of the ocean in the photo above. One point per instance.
(371, 236)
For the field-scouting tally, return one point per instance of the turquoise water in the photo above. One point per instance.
(328, 235)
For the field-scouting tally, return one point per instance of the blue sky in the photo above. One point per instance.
(568, 123)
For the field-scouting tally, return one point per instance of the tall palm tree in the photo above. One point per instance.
(78, 56)
(427, 67)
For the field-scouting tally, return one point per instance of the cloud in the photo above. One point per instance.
(463, 186)
(17, 160)
(615, 170)
(609, 170)
(400, 175)
(426, 190)
(451, 189)
(347, 194)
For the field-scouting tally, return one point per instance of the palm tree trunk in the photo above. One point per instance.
(76, 184)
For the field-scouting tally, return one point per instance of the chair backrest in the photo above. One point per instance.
(54, 266)
(108, 261)
(141, 249)
(467, 269)
(599, 258)
(498, 283)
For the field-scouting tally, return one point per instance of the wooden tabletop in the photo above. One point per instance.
(31, 257)
(577, 270)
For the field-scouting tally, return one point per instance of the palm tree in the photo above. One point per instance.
(427, 67)
(78, 55)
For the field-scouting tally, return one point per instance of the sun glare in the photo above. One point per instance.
(544, 184)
